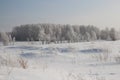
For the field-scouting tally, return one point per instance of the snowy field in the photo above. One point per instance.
(98, 60)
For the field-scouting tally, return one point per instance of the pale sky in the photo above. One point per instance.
(100, 13)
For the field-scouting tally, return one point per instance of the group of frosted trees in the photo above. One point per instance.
(58, 32)
(6, 38)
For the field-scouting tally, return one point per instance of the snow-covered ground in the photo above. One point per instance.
(99, 60)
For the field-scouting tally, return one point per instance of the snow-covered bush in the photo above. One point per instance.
(2, 61)
(8, 61)
(103, 56)
(23, 63)
(11, 61)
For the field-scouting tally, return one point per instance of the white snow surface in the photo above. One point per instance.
(66, 61)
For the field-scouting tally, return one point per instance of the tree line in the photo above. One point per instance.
(58, 32)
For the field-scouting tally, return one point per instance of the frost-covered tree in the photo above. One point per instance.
(13, 40)
(47, 38)
(58, 32)
(108, 38)
(104, 34)
(113, 34)
(4, 38)
(87, 36)
(94, 36)
(42, 35)
(70, 34)
(10, 38)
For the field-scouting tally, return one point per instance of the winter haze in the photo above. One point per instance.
(100, 13)
(59, 40)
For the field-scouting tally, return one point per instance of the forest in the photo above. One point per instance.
(58, 32)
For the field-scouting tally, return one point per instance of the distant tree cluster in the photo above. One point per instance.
(58, 32)
(26, 32)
